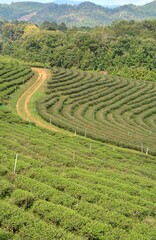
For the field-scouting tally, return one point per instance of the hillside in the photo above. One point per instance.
(12, 75)
(109, 109)
(70, 187)
(90, 14)
(15, 11)
(86, 13)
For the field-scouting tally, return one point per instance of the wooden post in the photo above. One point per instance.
(15, 163)
(50, 120)
(147, 151)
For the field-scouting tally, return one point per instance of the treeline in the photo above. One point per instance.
(126, 49)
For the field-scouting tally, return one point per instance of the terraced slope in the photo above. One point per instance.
(67, 187)
(109, 109)
(11, 76)
(71, 187)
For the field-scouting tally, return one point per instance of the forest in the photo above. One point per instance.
(126, 48)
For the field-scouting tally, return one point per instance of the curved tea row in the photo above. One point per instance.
(109, 109)
(11, 76)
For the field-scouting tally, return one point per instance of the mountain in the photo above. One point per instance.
(78, 2)
(149, 6)
(67, 2)
(85, 13)
(90, 14)
(16, 10)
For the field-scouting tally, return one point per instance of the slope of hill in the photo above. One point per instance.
(11, 76)
(67, 2)
(109, 109)
(86, 13)
(70, 187)
(16, 10)
(149, 6)
(90, 14)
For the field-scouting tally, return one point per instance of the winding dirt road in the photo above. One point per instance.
(22, 104)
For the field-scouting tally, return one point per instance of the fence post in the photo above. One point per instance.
(147, 151)
(15, 163)
(90, 147)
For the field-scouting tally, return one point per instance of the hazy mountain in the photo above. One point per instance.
(16, 10)
(85, 13)
(78, 2)
(67, 2)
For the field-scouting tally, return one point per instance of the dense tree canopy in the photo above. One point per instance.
(125, 48)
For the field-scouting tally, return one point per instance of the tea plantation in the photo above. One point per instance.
(73, 187)
(11, 76)
(110, 109)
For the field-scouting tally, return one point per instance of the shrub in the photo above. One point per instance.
(5, 235)
(6, 188)
(22, 198)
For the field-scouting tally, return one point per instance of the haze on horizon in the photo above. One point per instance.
(100, 2)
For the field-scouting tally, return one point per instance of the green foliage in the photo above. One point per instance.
(12, 74)
(125, 49)
(3, 170)
(6, 114)
(42, 191)
(25, 226)
(22, 198)
(4, 235)
(6, 188)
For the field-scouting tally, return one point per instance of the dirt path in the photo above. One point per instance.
(23, 102)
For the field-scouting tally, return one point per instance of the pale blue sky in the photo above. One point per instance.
(102, 2)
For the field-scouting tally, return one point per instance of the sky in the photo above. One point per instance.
(101, 2)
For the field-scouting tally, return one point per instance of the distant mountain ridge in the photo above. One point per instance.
(83, 14)
(69, 2)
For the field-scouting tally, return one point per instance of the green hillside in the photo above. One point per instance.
(70, 187)
(110, 109)
(16, 10)
(90, 14)
(12, 74)
(84, 14)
